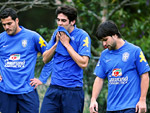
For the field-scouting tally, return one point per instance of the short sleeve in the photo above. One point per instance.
(99, 69)
(85, 45)
(141, 62)
(40, 43)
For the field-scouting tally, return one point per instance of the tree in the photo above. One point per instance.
(131, 16)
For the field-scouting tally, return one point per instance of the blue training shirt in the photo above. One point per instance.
(123, 68)
(66, 72)
(18, 54)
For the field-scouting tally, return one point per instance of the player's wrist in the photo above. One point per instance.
(143, 99)
(93, 99)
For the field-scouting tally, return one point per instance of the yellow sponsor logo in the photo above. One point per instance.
(142, 57)
(41, 41)
(86, 42)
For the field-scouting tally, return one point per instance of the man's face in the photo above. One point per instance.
(9, 25)
(109, 42)
(62, 20)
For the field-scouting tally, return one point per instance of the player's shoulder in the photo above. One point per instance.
(32, 34)
(81, 31)
(29, 31)
(104, 52)
(3, 34)
(82, 34)
(132, 46)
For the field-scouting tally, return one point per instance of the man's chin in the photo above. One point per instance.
(10, 33)
(109, 47)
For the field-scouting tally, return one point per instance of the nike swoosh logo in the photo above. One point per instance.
(5, 45)
(108, 60)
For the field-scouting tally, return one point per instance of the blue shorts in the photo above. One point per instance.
(22, 103)
(59, 99)
(130, 110)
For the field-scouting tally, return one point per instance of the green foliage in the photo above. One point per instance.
(46, 33)
(145, 47)
(39, 66)
(133, 20)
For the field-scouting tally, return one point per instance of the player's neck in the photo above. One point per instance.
(71, 29)
(120, 43)
(18, 29)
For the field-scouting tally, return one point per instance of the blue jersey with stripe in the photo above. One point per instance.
(66, 72)
(18, 54)
(123, 68)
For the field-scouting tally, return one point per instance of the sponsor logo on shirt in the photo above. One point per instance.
(86, 42)
(142, 57)
(14, 57)
(121, 80)
(116, 77)
(117, 72)
(14, 61)
(42, 42)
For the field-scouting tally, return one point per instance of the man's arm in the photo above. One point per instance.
(82, 61)
(141, 105)
(48, 54)
(0, 78)
(97, 87)
(45, 73)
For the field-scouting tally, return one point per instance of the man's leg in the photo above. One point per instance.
(28, 102)
(8, 103)
(51, 101)
(72, 100)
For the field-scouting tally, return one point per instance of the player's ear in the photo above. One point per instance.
(17, 20)
(73, 22)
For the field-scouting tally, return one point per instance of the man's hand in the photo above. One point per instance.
(35, 82)
(58, 37)
(64, 39)
(0, 78)
(141, 107)
(93, 107)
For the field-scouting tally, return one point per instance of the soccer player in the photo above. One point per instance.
(126, 69)
(70, 50)
(18, 53)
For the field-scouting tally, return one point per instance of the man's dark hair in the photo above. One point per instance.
(107, 28)
(8, 12)
(69, 11)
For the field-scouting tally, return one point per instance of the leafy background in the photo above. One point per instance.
(131, 16)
